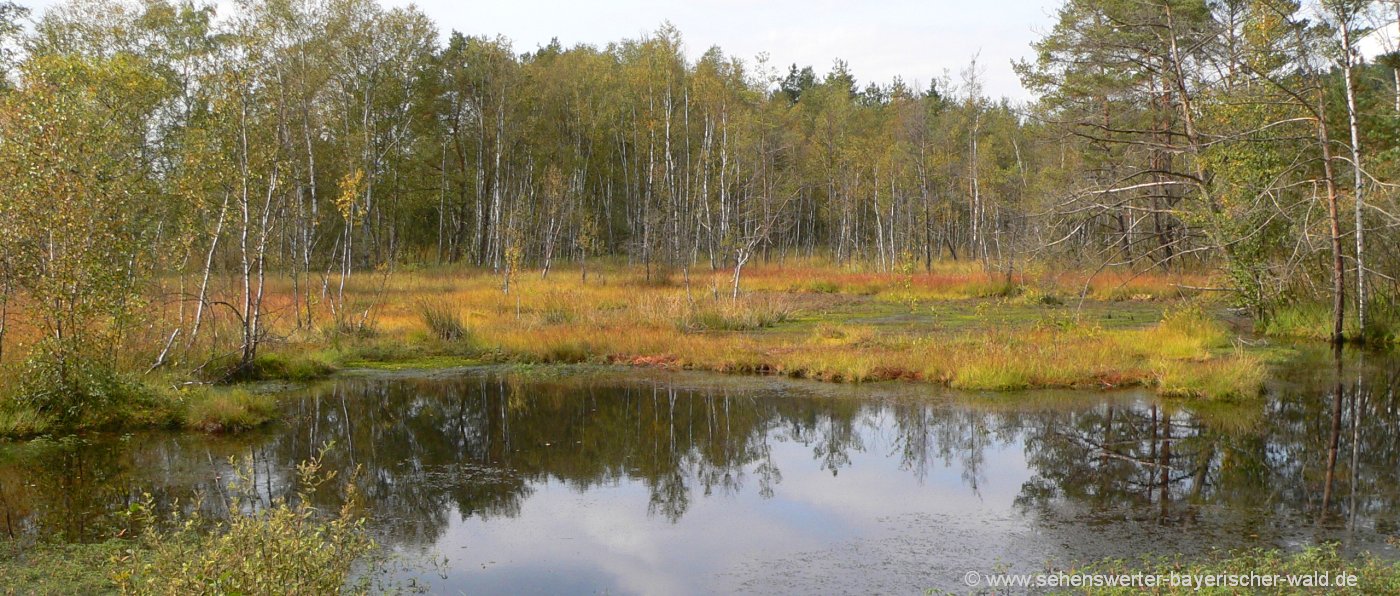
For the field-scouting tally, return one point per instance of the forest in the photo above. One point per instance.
(256, 228)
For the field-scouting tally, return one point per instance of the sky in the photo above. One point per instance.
(880, 39)
(918, 40)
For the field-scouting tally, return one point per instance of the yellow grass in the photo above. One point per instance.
(965, 328)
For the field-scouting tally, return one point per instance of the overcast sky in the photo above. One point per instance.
(916, 39)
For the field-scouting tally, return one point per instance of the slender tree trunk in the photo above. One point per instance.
(208, 267)
(1359, 182)
(1334, 221)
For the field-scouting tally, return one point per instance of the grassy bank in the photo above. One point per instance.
(1312, 321)
(956, 325)
(148, 405)
(960, 328)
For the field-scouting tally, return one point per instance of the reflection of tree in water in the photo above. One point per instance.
(1328, 456)
(926, 435)
(479, 446)
(71, 488)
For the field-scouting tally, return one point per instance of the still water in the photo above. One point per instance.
(587, 480)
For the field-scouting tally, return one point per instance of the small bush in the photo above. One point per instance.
(1035, 297)
(287, 548)
(65, 389)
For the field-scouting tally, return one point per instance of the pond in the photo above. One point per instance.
(599, 480)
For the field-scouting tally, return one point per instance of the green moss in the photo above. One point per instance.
(59, 568)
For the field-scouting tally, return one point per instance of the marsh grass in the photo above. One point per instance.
(1234, 376)
(752, 313)
(54, 567)
(18, 422)
(292, 366)
(976, 330)
(292, 363)
(953, 325)
(1312, 321)
(1375, 576)
(227, 409)
(442, 320)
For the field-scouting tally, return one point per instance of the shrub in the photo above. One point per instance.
(72, 390)
(288, 548)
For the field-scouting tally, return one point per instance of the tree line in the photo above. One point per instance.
(326, 139)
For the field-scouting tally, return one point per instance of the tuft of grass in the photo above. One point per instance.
(227, 410)
(1236, 376)
(1187, 333)
(270, 366)
(749, 314)
(991, 376)
(442, 320)
(19, 421)
(291, 367)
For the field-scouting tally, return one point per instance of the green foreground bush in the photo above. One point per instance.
(288, 547)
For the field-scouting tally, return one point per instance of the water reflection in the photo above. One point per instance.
(685, 483)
